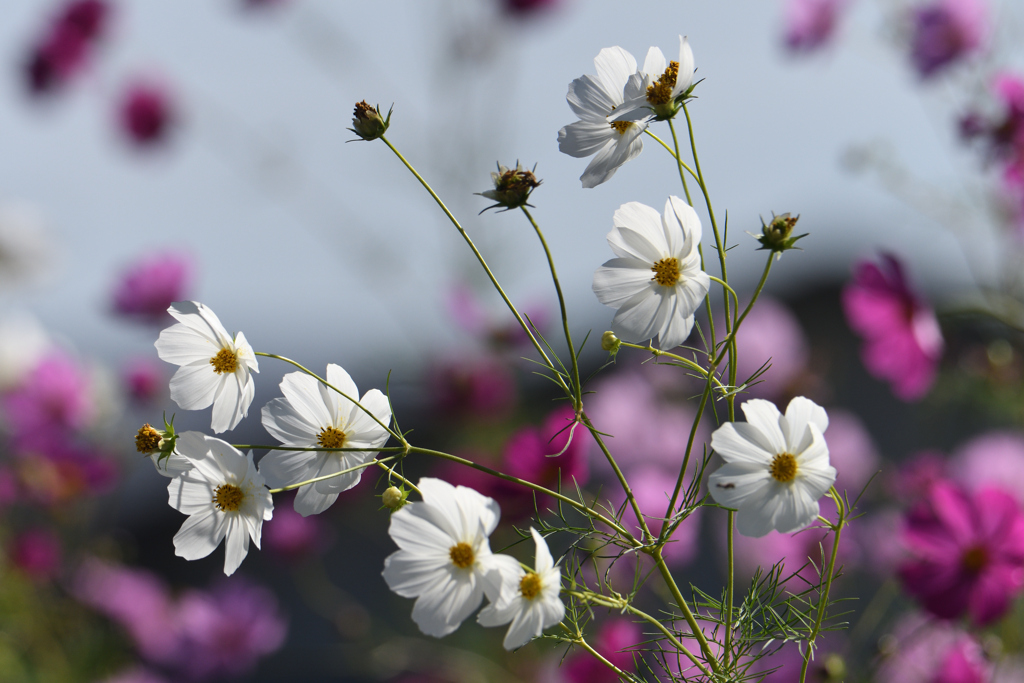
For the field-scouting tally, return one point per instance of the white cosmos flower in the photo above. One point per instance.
(444, 558)
(655, 282)
(593, 99)
(223, 495)
(776, 466)
(656, 87)
(215, 369)
(312, 415)
(528, 599)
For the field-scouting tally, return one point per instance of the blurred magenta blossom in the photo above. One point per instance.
(788, 662)
(53, 471)
(966, 552)
(771, 332)
(810, 24)
(146, 289)
(65, 47)
(146, 113)
(144, 379)
(466, 309)
(37, 552)
(54, 399)
(529, 452)
(852, 452)
(914, 477)
(652, 487)
(292, 536)
(614, 637)
(481, 388)
(136, 675)
(929, 651)
(902, 339)
(946, 31)
(992, 459)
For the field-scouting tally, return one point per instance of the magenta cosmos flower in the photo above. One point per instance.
(146, 113)
(65, 46)
(928, 651)
(902, 339)
(946, 31)
(530, 453)
(147, 288)
(810, 24)
(967, 552)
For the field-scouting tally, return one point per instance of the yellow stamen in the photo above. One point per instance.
(147, 439)
(530, 586)
(226, 360)
(783, 468)
(666, 271)
(228, 497)
(621, 126)
(462, 555)
(331, 437)
(660, 92)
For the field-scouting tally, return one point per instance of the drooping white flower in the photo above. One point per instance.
(215, 369)
(776, 466)
(312, 415)
(593, 99)
(444, 558)
(528, 599)
(655, 282)
(224, 497)
(656, 88)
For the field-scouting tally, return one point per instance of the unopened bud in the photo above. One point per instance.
(777, 235)
(512, 187)
(610, 343)
(834, 668)
(150, 440)
(393, 498)
(368, 123)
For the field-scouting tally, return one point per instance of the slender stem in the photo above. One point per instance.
(334, 388)
(578, 639)
(291, 487)
(681, 359)
(391, 473)
(578, 391)
(753, 300)
(480, 258)
(685, 609)
(679, 160)
(707, 306)
(729, 589)
(312, 449)
(686, 459)
(727, 288)
(823, 598)
(590, 512)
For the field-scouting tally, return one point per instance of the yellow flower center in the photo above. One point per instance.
(621, 126)
(660, 92)
(529, 585)
(331, 437)
(462, 555)
(147, 439)
(783, 467)
(226, 360)
(666, 271)
(228, 497)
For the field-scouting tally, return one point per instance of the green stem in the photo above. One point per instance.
(729, 589)
(480, 258)
(335, 389)
(823, 598)
(344, 449)
(753, 300)
(391, 473)
(578, 639)
(292, 487)
(578, 395)
(686, 461)
(685, 609)
(679, 161)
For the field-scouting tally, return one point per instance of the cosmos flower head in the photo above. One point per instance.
(945, 32)
(146, 113)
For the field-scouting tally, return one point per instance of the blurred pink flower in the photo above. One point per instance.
(992, 459)
(800, 551)
(53, 471)
(902, 339)
(55, 398)
(810, 24)
(851, 451)
(144, 379)
(228, 629)
(37, 552)
(929, 651)
(967, 553)
(147, 288)
(880, 541)
(614, 637)
(914, 478)
(652, 487)
(64, 48)
(644, 429)
(481, 388)
(771, 331)
(788, 661)
(136, 675)
(528, 8)
(946, 31)
(292, 536)
(466, 309)
(516, 501)
(527, 453)
(146, 113)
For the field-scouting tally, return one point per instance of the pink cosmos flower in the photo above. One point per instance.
(902, 339)
(946, 31)
(65, 47)
(144, 379)
(880, 541)
(652, 487)
(614, 638)
(136, 675)
(146, 113)
(851, 451)
(227, 630)
(771, 332)
(929, 651)
(54, 398)
(465, 308)
(292, 536)
(528, 8)
(914, 478)
(827, 665)
(53, 471)
(992, 459)
(967, 552)
(146, 289)
(480, 388)
(37, 552)
(526, 454)
(810, 24)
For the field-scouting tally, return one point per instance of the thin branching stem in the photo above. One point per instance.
(371, 463)
(686, 458)
(753, 300)
(684, 607)
(829, 575)
(679, 161)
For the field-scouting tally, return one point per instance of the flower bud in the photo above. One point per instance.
(777, 235)
(368, 123)
(610, 343)
(834, 668)
(512, 187)
(150, 440)
(393, 498)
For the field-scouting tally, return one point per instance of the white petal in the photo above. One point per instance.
(231, 401)
(361, 427)
(201, 319)
(614, 66)
(682, 223)
(617, 152)
(740, 442)
(237, 545)
(411, 575)
(757, 517)
(796, 511)
(676, 330)
(303, 394)
(739, 485)
(684, 79)
(340, 380)
(583, 138)
(200, 535)
(637, 318)
(501, 576)
(171, 466)
(638, 233)
(422, 529)
(590, 101)
(527, 625)
(190, 496)
(764, 417)
(311, 501)
(182, 345)
(286, 424)
(800, 413)
(440, 611)
(620, 279)
(543, 561)
(282, 468)
(194, 386)
(655, 63)
(497, 614)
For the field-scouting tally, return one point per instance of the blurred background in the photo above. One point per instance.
(155, 152)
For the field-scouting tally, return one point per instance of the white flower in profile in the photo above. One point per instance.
(528, 599)
(215, 369)
(444, 558)
(776, 466)
(655, 282)
(223, 495)
(593, 99)
(657, 87)
(312, 415)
